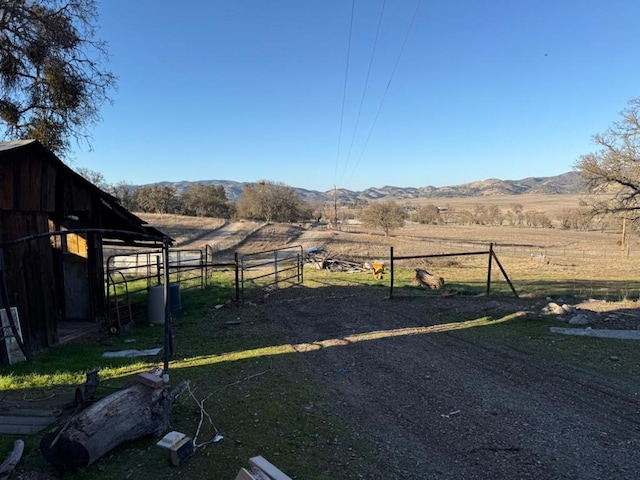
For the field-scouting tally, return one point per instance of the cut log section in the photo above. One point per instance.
(134, 412)
(425, 279)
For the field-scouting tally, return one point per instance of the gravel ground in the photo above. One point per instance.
(437, 406)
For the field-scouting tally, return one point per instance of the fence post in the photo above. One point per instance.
(168, 343)
(489, 268)
(237, 277)
(301, 266)
(275, 268)
(391, 275)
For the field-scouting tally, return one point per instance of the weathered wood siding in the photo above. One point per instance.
(54, 279)
(31, 277)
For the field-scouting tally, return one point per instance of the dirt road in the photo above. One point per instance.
(438, 406)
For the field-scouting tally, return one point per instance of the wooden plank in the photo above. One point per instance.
(244, 474)
(19, 420)
(30, 412)
(20, 429)
(269, 469)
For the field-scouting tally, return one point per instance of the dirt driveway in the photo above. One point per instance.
(438, 406)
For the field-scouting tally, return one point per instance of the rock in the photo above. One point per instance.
(579, 319)
(553, 308)
(567, 308)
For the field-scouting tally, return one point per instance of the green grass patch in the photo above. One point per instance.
(256, 391)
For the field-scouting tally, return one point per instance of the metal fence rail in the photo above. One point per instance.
(491, 258)
(271, 268)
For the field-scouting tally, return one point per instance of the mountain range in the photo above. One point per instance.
(566, 183)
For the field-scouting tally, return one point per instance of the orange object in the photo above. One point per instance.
(378, 270)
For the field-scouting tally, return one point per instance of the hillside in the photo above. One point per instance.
(567, 183)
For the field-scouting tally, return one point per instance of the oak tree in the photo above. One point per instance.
(206, 201)
(52, 79)
(387, 215)
(156, 199)
(612, 172)
(271, 202)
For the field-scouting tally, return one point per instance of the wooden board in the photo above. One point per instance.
(244, 474)
(26, 422)
(269, 469)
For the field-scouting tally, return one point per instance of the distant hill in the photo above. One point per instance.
(567, 183)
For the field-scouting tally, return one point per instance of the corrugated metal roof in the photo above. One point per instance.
(14, 144)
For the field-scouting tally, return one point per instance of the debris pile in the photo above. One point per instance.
(320, 259)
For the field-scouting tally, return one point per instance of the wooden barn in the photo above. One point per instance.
(57, 280)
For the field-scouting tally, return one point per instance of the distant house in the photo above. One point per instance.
(56, 280)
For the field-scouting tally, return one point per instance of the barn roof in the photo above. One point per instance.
(123, 225)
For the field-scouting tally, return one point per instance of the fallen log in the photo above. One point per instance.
(12, 460)
(128, 414)
(425, 279)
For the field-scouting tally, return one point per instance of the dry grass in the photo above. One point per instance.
(552, 205)
(181, 228)
(542, 260)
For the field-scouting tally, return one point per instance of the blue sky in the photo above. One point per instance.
(250, 90)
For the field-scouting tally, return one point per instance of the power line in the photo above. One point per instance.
(344, 90)
(386, 91)
(364, 91)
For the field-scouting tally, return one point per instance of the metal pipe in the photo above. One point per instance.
(168, 347)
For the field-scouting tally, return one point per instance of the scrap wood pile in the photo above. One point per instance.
(320, 259)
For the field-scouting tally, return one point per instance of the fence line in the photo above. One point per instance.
(491, 254)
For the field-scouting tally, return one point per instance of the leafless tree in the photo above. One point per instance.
(612, 172)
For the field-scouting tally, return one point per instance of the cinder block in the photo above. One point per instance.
(150, 380)
(179, 446)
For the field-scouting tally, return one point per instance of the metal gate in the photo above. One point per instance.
(271, 269)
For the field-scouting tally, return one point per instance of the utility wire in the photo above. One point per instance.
(364, 92)
(344, 90)
(384, 96)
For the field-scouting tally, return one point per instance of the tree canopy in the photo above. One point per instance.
(206, 201)
(387, 215)
(156, 199)
(52, 80)
(271, 202)
(612, 172)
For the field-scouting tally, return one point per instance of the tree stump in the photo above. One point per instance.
(425, 279)
(134, 412)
